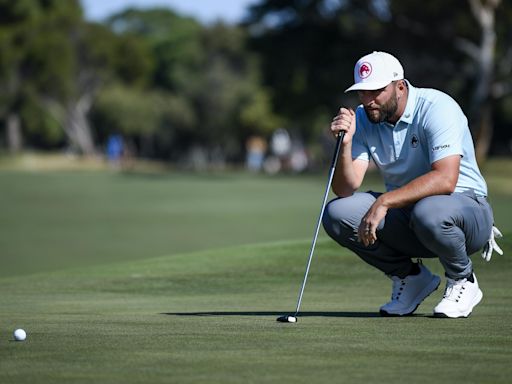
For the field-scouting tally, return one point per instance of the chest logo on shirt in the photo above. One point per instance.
(414, 141)
(365, 70)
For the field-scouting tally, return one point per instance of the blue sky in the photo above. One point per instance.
(206, 11)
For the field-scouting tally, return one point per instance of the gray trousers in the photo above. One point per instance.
(450, 227)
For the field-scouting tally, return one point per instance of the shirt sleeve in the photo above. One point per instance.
(360, 149)
(444, 128)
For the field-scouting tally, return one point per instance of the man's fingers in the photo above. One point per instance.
(373, 238)
(492, 245)
(496, 247)
(366, 234)
(497, 232)
(487, 252)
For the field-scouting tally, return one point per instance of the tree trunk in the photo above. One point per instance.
(14, 136)
(74, 122)
(485, 131)
(484, 56)
(77, 125)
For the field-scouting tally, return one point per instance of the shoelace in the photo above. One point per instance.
(399, 284)
(398, 287)
(454, 289)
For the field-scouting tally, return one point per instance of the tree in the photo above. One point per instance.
(143, 115)
(97, 58)
(473, 61)
(309, 47)
(308, 50)
(157, 115)
(51, 67)
(15, 20)
(174, 42)
(231, 103)
(209, 73)
(488, 71)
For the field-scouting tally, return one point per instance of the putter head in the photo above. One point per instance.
(287, 319)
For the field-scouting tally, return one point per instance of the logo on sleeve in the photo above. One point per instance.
(414, 141)
(439, 147)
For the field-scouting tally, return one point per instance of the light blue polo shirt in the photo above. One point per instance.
(431, 128)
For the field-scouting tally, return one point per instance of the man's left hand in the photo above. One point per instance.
(491, 244)
(367, 231)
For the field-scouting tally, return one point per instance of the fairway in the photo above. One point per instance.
(179, 278)
(56, 220)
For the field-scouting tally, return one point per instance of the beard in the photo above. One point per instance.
(383, 113)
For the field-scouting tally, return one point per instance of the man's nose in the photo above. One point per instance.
(366, 97)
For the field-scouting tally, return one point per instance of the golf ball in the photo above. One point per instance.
(20, 335)
(292, 319)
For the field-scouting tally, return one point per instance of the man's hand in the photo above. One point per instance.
(345, 120)
(491, 245)
(367, 231)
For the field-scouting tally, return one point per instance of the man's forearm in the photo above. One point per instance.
(429, 184)
(345, 181)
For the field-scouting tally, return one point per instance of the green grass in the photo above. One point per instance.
(210, 317)
(177, 278)
(57, 220)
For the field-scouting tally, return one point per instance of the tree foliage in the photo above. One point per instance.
(308, 48)
(209, 72)
(170, 84)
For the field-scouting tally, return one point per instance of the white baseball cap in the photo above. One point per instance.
(375, 71)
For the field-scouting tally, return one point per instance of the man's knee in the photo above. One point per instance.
(346, 213)
(429, 216)
(331, 219)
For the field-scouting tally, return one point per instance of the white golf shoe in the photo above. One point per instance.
(460, 297)
(409, 292)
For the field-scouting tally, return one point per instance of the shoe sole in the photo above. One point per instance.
(426, 292)
(465, 314)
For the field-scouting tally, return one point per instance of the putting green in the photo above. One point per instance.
(210, 317)
(78, 273)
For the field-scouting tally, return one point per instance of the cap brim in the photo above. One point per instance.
(368, 86)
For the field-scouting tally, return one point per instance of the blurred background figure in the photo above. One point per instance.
(256, 147)
(115, 150)
(299, 161)
(280, 147)
(281, 143)
(288, 153)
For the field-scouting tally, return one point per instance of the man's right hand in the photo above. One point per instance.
(345, 120)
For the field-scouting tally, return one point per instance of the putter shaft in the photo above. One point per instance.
(326, 194)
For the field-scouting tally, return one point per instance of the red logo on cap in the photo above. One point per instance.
(365, 70)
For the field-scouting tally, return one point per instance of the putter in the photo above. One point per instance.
(293, 318)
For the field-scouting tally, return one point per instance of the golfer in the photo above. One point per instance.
(435, 200)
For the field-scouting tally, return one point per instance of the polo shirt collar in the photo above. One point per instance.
(408, 114)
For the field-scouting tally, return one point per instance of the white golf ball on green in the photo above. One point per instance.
(20, 335)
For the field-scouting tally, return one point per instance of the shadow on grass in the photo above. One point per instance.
(258, 313)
